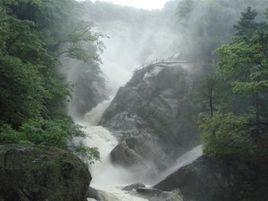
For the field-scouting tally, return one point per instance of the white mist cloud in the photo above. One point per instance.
(145, 4)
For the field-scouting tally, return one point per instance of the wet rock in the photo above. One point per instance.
(133, 187)
(148, 118)
(210, 179)
(94, 194)
(32, 173)
(138, 153)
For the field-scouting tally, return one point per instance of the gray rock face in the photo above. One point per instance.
(31, 173)
(210, 179)
(148, 117)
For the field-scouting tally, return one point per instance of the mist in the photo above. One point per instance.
(134, 38)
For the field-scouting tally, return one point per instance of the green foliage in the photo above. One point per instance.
(56, 133)
(244, 62)
(9, 135)
(239, 129)
(21, 91)
(246, 65)
(87, 153)
(33, 34)
(29, 84)
(227, 135)
(41, 132)
(247, 25)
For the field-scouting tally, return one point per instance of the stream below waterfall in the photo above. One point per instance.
(109, 179)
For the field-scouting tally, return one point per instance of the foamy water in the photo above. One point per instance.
(107, 178)
(182, 161)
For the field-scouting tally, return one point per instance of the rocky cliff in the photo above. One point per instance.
(211, 179)
(31, 173)
(148, 116)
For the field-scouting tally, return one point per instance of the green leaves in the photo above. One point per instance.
(32, 93)
(235, 59)
(82, 44)
(87, 153)
(55, 132)
(21, 91)
(238, 129)
(250, 87)
(243, 63)
(227, 135)
(247, 24)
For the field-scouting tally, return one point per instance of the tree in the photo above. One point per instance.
(32, 93)
(227, 135)
(243, 66)
(244, 63)
(209, 87)
(247, 25)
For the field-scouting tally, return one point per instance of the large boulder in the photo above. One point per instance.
(148, 118)
(211, 179)
(32, 173)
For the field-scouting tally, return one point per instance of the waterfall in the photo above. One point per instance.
(124, 53)
(107, 178)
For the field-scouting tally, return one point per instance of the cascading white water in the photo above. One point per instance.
(110, 179)
(182, 161)
(106, 177)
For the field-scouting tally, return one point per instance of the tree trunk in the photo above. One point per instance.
(257, 111)
(211, 102)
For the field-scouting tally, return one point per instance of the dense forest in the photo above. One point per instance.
(34, 36)
(51, 74)
(233, 80)
(238, 118)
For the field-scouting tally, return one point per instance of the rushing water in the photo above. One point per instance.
(107, 178)
(182, 161)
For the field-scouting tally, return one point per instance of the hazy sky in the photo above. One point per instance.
(146, 4)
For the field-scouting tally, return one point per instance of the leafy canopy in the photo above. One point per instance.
(33, 35)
